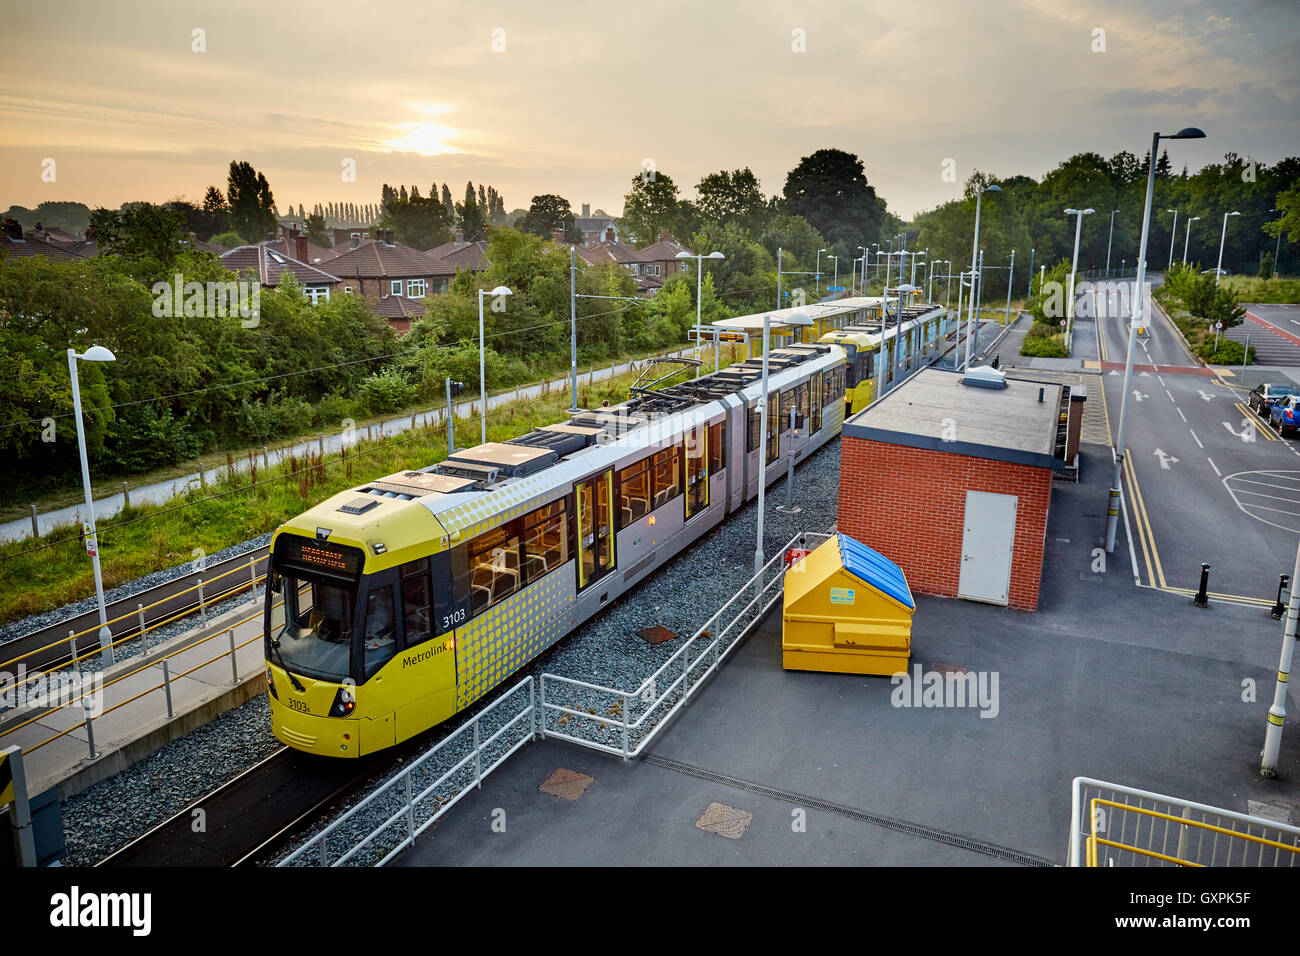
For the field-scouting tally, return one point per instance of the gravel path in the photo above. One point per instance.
(680, 596)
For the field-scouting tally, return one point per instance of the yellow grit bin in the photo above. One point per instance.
(848, 610)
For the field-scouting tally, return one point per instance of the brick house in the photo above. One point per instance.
(595, 229)
(952, 480)
(660, 259)
(267, 265)
(378, 268)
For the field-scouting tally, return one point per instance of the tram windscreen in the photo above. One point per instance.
(317, 635)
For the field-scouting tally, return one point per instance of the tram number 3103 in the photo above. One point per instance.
(455, 617)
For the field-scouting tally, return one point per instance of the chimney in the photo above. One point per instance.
(288, 233)
(299, 247)
(586, 210)
(664, 235)
(609, 233)
(557, 237)
(13, 229)
(384, 236)
(460, 235)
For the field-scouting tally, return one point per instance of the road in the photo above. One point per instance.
(1274, 332)
(165, 491)
(1206, 480)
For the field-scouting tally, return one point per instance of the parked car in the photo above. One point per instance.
(1284, 415)
(1210, 272)
(1263, 396)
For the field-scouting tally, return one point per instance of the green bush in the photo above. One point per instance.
(387, 391)
(255, 423)
(332, 409)
(1041, 346)
(1229, 353)
(226, 240)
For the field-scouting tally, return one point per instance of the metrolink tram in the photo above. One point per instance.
(396, 604)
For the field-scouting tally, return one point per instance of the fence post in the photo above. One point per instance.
(625, 727)
(532, 711)
(234, 665)
(90, 727)
(144, 639)
(410, 809)
(541, 708)
(266, 456)
(126, 495)
(203, 607)
(478, 758)
(252, 579)
(412, 422)
(36, 531)
(72, 642)
(167, 689)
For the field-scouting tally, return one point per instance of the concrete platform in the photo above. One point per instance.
(1107, 680)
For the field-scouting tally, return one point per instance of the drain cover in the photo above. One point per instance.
(724, 821)
(567, 784)
(656, 634)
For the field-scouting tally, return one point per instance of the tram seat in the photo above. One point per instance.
(662, 496)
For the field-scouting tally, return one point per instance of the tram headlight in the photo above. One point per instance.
(345, 701)
(270, 683)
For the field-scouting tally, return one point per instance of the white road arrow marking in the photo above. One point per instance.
(1165, 460)
(1204, 395)
(1145, 374)
(1139, 396)
(1113, 372)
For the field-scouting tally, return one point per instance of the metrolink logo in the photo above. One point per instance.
(208, 300)
(58, 689)
(76, 909)
(952, 688)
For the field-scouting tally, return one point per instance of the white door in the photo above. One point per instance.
(990, 534)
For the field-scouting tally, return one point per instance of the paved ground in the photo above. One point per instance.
(1127, 684)
(1274, 332)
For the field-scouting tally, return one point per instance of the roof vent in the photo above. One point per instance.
(358, 506)
(984, 376)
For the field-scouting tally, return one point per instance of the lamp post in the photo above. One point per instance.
(573, 330)
(836, 280)
(818, 275)
(1173, 231)
(482, 376)
(1187, 236)
(974, 258)
(699, 298)
(1069, 305)
(96, 353)
(798, 318)
(864, 268)
(1112, 510)
(1011, 271)
(1222, 236)
(1277, 250)
(1029, 289)
(1109, 239)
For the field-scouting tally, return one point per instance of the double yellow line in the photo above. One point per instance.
(1147, 540)
(1260, 424)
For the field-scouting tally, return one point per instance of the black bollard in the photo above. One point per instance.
(1202, 599)
(1279, 609)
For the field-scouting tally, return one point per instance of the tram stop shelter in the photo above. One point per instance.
(782, 323)
(847, 610)
(950, 475)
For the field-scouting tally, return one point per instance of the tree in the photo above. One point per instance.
(830, 190)
(650, 207)
(548, 213)
(419, 221)
(1288, 204)
(316, 230)
(447, 204)
(470, 214)
(1266, 266)
(252, 207)
(733, 197)
(150, 236)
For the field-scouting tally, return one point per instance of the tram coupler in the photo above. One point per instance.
(1202, 598)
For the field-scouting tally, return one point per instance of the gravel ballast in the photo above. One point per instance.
(681, 596)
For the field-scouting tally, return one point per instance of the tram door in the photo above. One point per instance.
(595, 528)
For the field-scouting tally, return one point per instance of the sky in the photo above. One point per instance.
(152, 99)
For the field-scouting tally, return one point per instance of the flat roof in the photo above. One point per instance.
(934, 410)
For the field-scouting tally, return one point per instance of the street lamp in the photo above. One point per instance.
(1112, 510)
(1029, 289)
(699, 298)
(974, 260)
(818, 274)
(1173, 231)
(96, 353)
(1222, 236)
(864, 268)
(482, 376)
(1187, 235)
(1277, 251)
(1069, 306)
(1108, 243)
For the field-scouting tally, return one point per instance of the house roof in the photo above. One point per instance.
(446, 248)
(36, 247)
(471, 255)
(593, 223)
(53, 234)
(397, 307)
(315, 254)
(270, 265)
(662, 250)
(619, 252)
(373, 259)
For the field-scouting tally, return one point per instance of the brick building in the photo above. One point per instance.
(950, 476)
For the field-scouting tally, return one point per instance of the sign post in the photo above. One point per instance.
(13, 789)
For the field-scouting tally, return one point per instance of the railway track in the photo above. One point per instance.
(162, 602)
(247, 816)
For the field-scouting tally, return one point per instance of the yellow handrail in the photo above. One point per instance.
(1095, 839)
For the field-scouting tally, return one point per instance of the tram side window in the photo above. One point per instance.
(546, 540)
(773, 430)
(666, 474)
(633, 492)
(801, 406)
(417, 601)
(494, 566)
(380, 641)
(717, 448)
(787, 403)
(755, 424)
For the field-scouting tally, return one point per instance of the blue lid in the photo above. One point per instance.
(876, 570)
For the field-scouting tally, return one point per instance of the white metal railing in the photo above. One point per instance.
(624, 722)
(1114, 825)
(411, 811)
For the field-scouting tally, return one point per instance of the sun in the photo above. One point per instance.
(427, 139)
